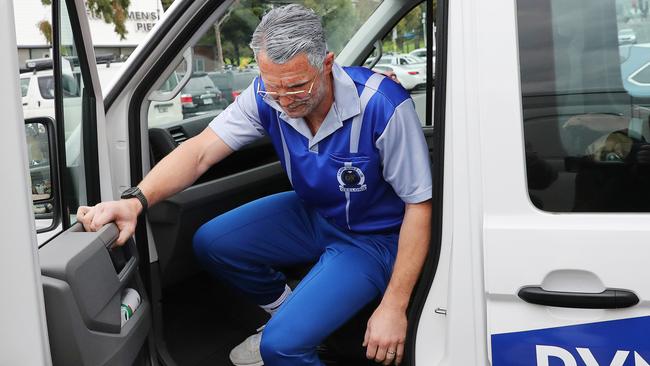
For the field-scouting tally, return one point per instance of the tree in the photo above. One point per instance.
(112, 11)
(234, 31)
(167, 3)
(409, 30)
(46, 30)
(339, 21)
(217, 35)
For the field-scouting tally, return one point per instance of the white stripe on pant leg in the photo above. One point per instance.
(368, 91)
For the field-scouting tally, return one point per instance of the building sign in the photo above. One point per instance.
(141, 18)
(144, 20)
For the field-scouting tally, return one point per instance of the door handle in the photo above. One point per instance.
(608, 299)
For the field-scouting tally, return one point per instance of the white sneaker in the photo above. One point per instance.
(248, 353)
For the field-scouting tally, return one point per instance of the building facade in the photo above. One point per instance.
(142, 17)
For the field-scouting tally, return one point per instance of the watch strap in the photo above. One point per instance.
(135, 192)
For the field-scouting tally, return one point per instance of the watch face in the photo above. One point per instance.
(130, 192)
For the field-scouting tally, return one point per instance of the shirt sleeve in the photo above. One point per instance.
(405, 155)
(239, 124)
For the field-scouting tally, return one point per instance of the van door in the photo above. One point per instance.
(23, 333)
(96, 308)
(565, 210)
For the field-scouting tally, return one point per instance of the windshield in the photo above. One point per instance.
(223, 62)
(341, 20)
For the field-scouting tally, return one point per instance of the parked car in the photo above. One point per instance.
(232, 82)
(386, 70)
(160, 113)
(626, 36)
(200, 96)
(421, 53)
(37, 89)
(409, 70)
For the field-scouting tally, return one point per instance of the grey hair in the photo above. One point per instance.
(289, 30)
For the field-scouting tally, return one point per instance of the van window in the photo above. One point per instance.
(224, 64)
(170, 83)
(24, 86)
(586, 104)
(70, 85)
(75, 91)
(46, 87)
(399, 46)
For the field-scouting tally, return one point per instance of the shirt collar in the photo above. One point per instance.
(346, 96)
(346, 105)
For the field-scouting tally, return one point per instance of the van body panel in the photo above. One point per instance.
(23, 331)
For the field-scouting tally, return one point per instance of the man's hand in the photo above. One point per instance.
(123, 212)
(385, 335)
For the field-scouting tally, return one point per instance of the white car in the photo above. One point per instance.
(410, 71)
(37, 90)
(626, 36)
(421, 53)
(160, 113)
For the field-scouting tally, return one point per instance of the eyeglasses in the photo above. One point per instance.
(295, 95)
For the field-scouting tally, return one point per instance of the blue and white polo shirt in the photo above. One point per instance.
(367, 159)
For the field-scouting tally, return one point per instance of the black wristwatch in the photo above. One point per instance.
(135, 192)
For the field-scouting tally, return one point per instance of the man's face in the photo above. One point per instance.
(295, 75)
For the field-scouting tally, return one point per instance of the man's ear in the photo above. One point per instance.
(328, 63)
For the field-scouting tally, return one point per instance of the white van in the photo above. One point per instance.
(538, 253)
(37, 89)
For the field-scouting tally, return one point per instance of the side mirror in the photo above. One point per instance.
(43, 172)
(160, 95)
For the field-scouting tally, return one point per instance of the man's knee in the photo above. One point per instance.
(278, 345)
(208, 242)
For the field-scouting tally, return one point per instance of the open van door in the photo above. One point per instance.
(23, 333)
(85, 278)
(566, 206)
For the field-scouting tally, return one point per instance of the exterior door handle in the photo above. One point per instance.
(608, 299)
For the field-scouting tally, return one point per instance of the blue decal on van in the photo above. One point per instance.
(623, 342)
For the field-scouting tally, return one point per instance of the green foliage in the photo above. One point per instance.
(339, 21)
(167, 3)
(112, 11)
(410, 31)
(45, 28)
(236, 29)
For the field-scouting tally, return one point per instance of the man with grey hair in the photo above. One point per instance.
(353, 149)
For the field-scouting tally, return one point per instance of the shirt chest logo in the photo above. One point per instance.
(351, 179)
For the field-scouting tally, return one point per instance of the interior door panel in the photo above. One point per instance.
(247, 174)
(83, 279)
(175, 220)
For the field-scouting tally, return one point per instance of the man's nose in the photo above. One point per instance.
(285, 101)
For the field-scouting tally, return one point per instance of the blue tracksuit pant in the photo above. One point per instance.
(242, 246)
